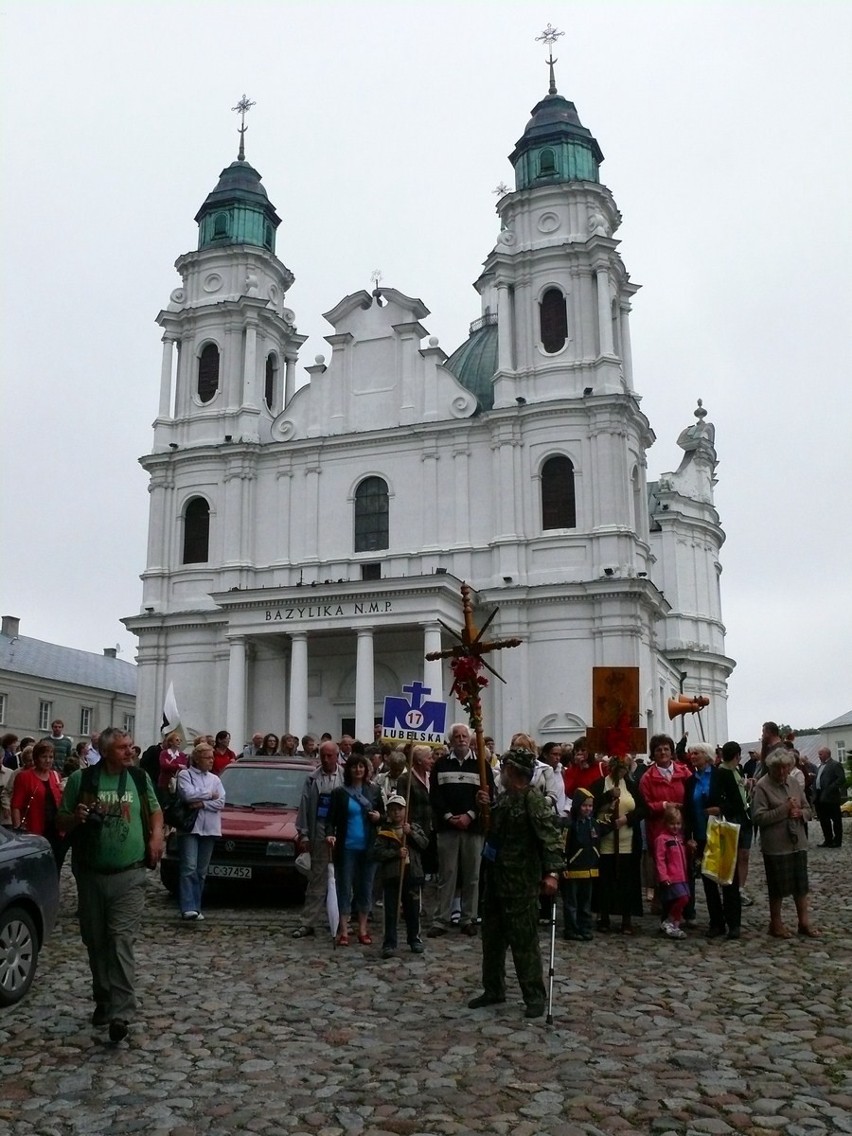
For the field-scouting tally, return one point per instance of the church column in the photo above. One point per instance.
(250, 368)
(312, 518)
(364, 683)
(298, 716)
(626, 348)
(290, 379)
(604, 310)
(432, 669)
(461, 481)
(236, 717)
(429, 515)
(166, 378)
(504, 326)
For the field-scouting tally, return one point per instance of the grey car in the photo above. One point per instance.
(29, 901)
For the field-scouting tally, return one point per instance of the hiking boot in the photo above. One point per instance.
(436, 930)
(534, 1010)
(117, 1030)
(100, 1017)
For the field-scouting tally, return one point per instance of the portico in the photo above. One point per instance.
(291, 637)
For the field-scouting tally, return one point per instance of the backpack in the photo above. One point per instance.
(84, 836)
(150, 761)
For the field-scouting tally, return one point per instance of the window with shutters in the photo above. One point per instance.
(196, 531)
(553, 315)
(208, 372)
(558, 507)
(371, 515)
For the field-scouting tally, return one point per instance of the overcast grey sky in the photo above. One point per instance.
(381, 130)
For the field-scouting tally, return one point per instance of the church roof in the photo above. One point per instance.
(238, 182)
(556, 117)
(22, 655)
(474, 363)
(837, 723)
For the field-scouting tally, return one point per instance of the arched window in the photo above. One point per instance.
(371, 515)
(546, 163)
(220, 225)
(208, 372)
(553, 316)
(196, 531)
(558, 507)
(271, 374)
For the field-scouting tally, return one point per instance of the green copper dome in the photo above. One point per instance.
(475, 363)
(555, 146)
(238, 211)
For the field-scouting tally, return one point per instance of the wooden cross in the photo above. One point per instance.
(472, 646)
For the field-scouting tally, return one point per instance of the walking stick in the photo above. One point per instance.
(550, 970)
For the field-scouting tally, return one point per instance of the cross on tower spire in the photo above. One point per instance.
(549, 37)
(245, 104)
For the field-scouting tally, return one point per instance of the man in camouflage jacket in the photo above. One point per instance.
(522, 859)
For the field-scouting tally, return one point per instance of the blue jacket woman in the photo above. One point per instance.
(354, 817)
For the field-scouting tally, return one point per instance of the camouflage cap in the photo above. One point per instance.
(520, 759)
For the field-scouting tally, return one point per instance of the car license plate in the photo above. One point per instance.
(225, 871)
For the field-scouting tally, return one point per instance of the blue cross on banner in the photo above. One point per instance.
(414, 719)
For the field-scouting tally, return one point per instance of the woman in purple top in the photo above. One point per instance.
(172, 760)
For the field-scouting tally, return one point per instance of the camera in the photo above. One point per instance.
(95, 819)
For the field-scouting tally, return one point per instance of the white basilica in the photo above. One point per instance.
(306, 545)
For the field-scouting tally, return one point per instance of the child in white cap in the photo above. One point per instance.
(397, 848)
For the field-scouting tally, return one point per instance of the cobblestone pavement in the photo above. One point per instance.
(244, 1029)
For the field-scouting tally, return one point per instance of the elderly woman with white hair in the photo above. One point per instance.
(780, 810)
(700, 757)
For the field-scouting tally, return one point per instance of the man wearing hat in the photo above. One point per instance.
(522, 858)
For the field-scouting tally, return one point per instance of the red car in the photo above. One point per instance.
(258, 841)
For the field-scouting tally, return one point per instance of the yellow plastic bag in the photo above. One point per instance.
(720, 852)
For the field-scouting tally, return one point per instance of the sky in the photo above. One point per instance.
(381, 131)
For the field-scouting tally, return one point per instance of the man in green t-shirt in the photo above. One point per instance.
(116, 826)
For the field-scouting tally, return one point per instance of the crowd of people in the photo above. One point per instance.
(422, 834)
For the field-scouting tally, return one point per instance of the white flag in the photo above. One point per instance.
(171, 716)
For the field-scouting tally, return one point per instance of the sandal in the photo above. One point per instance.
(781, 933)
(343, 940)
(809, 932)
(365, 940)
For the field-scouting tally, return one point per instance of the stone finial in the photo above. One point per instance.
(700, 433)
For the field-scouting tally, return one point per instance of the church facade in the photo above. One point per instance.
(306, 546)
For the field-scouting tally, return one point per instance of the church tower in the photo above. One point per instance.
(230, 348)
(554, 330)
